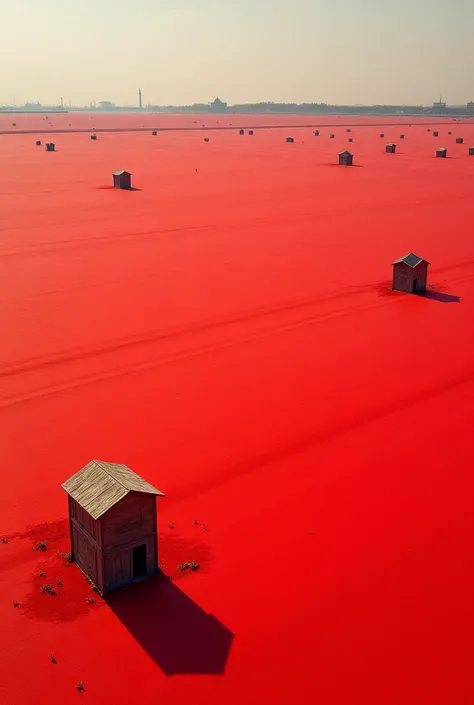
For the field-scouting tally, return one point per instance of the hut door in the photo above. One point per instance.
(139, 561)
(415, 282)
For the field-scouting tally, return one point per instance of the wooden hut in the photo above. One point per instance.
(250, 132)
(390, 148)
(316, 133)
(410, 274)
(122, 179)
(154, 133)
(113, 524)
(450, 133)
(345, 158)
(50, 146)
(332, 136)
(459, 140)
(348, 129)
(382, 134)
(350, 139)
(471, 151)
(206, 139)
(435, 133)
(402, 137)
(93, 137)
(290, 139)
(441, 153)
(38, 143)
(241, 132)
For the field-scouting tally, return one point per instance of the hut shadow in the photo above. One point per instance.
(180, 637)
(442, 297)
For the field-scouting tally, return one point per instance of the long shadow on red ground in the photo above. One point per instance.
(179, 636)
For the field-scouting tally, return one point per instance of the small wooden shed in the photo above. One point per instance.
(113, 524)
(459, 140)
(241, 132)
(250, 132)
(38, 143)
(410, 274)
(441, 153)
(382, 134)
(345, 158)
(50, 146)
(350, 139)
(316, 133)
(402, 137)
(332, 136)
(93, 137)
(435, 134)
(290, 139)
(348, 129)
(122, 179)
(154, 133)
(390, 148)
(471, 151)
(206, 139)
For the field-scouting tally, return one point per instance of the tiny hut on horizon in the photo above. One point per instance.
(391, 148)
(154, 133)
(251, 133)
(241, 132)
(471, 151)
(93, 137)
(332, 136)
(122, 179)
(316, 133)
(402, 137)
(345, 158)
(459, 140)
(38, 143)
(382, 134)
(50, 147)
(290, 139)
(435, 134)
(441, 153)
(410, 274)
(113, 524)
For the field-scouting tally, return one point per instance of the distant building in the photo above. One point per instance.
(332, 136)
(410, 274)
(50, 147)
(345, 158)
(471, 151)
(382, 135)
(93, 137)
(290, 139)
(122, 179)
(402, 137)
(154, 133)
(241, 132)
(113, 524)
(38, 143)
(442, 153)
(106, 105)
(435, 134)
(459, 140)
(250, 132)
(390, 148)
(218, 106)
(439, 106)
(350, 139)
(140, 105)
(316, 133)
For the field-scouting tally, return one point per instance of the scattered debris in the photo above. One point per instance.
(171, 525)
(66, 555)
(205, 527)
(41, 574)
(94, 588)
(53, 660)
(196, 522)
(190, 565)
(16, 603)
(47, 588)
(80, 686)
(41, 546)
(90, 600)
(4, 539)
(59, 582)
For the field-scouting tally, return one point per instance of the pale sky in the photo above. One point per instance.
(186, 51)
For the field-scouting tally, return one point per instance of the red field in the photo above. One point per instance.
(230, 335)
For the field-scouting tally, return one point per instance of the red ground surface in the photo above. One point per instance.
(230, 335)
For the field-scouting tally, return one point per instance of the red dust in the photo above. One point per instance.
(233, 338)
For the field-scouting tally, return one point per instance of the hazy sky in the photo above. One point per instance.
(185, 51)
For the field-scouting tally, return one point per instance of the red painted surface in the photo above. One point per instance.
(230, 335)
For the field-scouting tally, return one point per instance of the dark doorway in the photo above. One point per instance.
(415, 282)
(139, 561)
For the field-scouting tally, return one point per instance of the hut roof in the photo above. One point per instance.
(411, 260)
(345, 153)
(120, 172)
(98, 486)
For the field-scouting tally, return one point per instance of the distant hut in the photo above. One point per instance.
(402, 137)
(435, 134)
(332, 136)
(442, 153)
(50, 147)
(122, 179)
(113, 524)
(206, 139)
(38, 143)
(410, 274)
(428, 130)
(459, 140)
(348, 129)
(382, 135)
(350, 139)
(316, 133)
(241, 132)
(13, 124)
(93, 137)
(450, 133)
(471, 151)
(250, 132)
(345, 158)
(154, 133)
(390, 148)
(290, 139)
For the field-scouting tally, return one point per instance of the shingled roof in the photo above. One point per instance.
(98, 486)
(411, 260)
(120, 172)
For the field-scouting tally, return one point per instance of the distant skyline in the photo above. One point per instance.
(183, 52)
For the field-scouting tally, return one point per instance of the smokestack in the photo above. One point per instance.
(140, 98)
